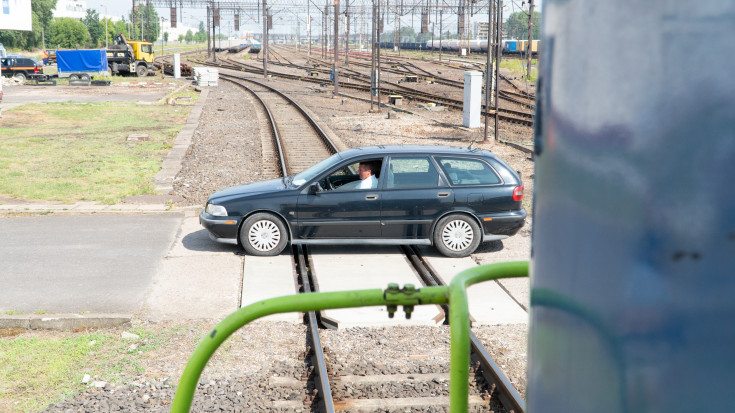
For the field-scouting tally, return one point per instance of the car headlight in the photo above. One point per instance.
(216, 210)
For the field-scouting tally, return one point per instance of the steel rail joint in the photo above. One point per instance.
(455, 295)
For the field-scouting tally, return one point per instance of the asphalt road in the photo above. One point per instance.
(81, 263)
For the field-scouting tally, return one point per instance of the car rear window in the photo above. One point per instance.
(412, 172)
(464, 171)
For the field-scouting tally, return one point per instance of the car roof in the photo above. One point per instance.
(415, 149)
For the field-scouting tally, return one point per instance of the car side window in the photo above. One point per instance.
(353, 176)
(411, 172)
(463, 171)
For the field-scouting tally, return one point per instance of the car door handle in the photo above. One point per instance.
(443, 194)
(371, 197)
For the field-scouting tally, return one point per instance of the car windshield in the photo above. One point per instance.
(307, 175)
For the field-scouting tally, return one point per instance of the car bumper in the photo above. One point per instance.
(502, 225)
(221, 229)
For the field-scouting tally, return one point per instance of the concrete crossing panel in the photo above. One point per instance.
(366, 267)
(269, 277)
(488, 303)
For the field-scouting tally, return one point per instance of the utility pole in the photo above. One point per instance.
(162, 19)
(488, 68)
(132, 18)
(530, 38)
(347, 32)
(209, 51)
(215, 17)
(265, 40)
(107, 46)
(498, 51)
(373, 72)
(441, 29)
(336, 47)
(460, 26)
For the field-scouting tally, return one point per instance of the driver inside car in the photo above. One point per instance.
(368, 180)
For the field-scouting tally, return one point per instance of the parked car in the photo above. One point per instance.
(20, 67)
(450, 197)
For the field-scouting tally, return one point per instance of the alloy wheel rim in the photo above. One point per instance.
(264, 235)
(457, 235)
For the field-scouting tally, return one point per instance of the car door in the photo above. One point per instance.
(337, 210)
(477, 185)
(413, 197)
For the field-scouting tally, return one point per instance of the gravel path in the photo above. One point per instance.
(226, 151)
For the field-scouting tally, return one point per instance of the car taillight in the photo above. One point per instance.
(518, 193)
(35, 69)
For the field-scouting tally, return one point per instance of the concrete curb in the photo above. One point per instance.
(91, 208)
(64, 322)
(164, 179)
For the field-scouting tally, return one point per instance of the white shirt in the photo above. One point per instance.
(367, 183)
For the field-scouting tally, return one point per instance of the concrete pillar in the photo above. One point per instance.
(177, 65)
(472, 99)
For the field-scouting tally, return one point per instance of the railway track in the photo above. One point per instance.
(328, 391)
(388, 88)
(390, 389)
(295, 148)
(327, 388)
(405, 68)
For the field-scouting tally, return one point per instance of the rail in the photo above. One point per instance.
(507, 394)
(453, 295)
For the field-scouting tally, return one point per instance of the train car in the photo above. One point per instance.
(633, 251)
(404, 46)
(510, 47)
(254, 47)
(517, 47)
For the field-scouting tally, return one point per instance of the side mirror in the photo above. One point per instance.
(315, 188)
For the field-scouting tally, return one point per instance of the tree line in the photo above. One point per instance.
(142, 23)
(515, 27)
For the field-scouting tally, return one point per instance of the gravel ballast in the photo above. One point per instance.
(226, 151)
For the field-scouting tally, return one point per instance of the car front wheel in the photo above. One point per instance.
(263, 234)
(141, 71)
(457, 236)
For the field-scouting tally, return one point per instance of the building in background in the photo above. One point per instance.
(71, 8)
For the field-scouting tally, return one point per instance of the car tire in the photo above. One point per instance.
(20, 76)
(141, 71)
(263, 234)
(84, 78)
(73, 78)
(457, 235)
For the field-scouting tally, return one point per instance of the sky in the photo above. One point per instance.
(285, 20)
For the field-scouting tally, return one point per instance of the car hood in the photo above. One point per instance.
(256, 188)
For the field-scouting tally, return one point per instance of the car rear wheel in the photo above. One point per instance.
(263, 234)
(20, 76)
(457, 235)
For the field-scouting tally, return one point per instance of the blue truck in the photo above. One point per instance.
(81, 64)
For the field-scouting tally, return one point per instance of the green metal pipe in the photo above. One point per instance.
(459, 324)
(294, 303)
(455, 295)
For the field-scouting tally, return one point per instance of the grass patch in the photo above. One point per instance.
(79, 151)
(34, 372)
(519, 66)
(38, 370)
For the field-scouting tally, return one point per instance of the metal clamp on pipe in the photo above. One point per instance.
(394, 294)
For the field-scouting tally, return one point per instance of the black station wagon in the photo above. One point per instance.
(450, 197)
